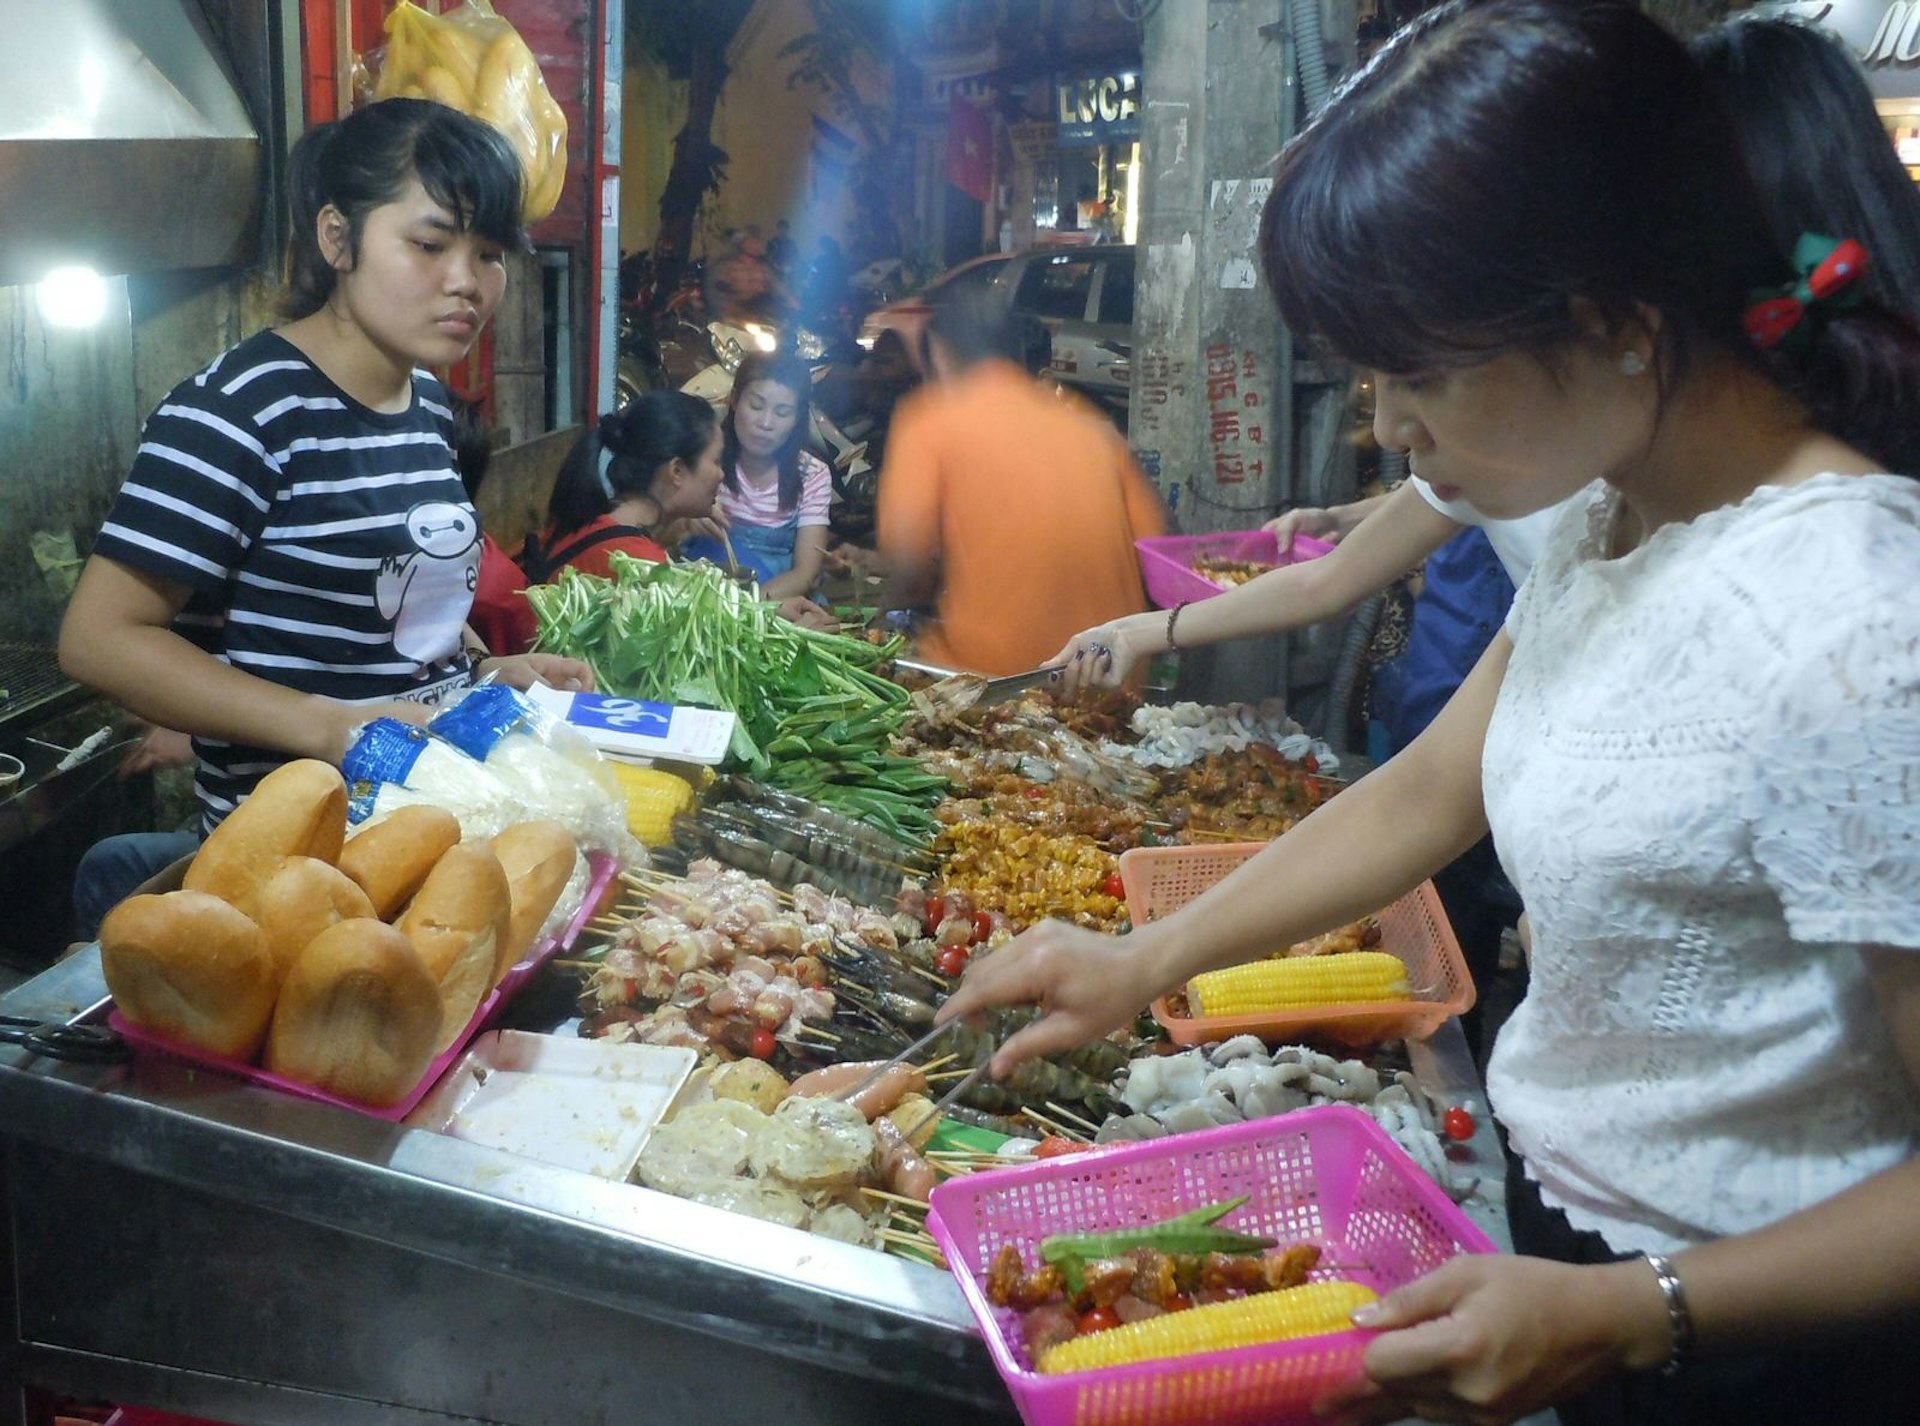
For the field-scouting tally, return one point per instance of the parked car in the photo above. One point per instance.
(1082, 295)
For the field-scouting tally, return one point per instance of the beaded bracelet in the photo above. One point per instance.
(1679, 1318)
(1173, 617)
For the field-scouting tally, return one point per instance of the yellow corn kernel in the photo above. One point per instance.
(1339, 979)
(654, 799)
(1307, 1311)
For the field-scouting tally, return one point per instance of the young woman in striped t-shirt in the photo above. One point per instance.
(293, 552)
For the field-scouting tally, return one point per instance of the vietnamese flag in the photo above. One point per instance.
(970, 150)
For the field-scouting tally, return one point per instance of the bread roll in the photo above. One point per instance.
(390, 859)
(300, 901)
(456, 923)
(538, 858)
(358, 1015)
(297, 810)
(189, 966)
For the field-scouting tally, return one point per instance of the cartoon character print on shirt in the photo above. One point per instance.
(428, 591)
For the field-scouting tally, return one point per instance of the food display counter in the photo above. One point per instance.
(184, 1241)
(181, 1240)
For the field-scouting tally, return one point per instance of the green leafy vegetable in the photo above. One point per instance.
(813, 716)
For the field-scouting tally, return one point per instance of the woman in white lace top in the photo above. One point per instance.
(1697, 744)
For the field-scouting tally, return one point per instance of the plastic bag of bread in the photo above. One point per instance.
(470, 59)
(553, 771)
(393, 765)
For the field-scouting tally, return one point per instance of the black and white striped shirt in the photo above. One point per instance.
(329, 547)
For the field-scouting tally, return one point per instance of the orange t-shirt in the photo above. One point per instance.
(1029, 503)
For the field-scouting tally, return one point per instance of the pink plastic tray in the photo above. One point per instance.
(1166, 561)
(1327, 1175)
(602, 869)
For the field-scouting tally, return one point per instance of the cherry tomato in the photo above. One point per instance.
(936, 912)
(1179, 1302)
(982, 925)
(951, 961)
(1457, 1124)
(1054, 1147)
(763, 1043)
(1097, 1319)
(1311, 763)
(1113, 886)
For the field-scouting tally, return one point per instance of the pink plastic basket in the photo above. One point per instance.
(1327, 1175)
(1160, 880)
(1166, 561)
(602, 868)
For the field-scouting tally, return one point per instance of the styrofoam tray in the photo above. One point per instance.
(589, 1105)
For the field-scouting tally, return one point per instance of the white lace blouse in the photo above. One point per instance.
(1703, 775)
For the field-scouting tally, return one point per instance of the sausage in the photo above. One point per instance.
(876, 1099)
(901, 1166)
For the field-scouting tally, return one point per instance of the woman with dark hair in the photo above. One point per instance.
(773, 504)
(293, 552)
(1693, 741)
(655, 460)
(1815, 144)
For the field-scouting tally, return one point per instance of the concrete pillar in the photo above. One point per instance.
(1216, 387)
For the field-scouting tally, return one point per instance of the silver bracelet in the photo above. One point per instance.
(1679, 1318)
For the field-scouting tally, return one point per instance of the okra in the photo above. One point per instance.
(1189, 1233)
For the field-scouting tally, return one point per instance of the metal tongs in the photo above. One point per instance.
(991, 690)
(959, 1088)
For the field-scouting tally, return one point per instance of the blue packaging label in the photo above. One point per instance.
(385, 751)
(620, 715)
(478, 722)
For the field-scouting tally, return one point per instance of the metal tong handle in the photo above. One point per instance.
(940, 1105)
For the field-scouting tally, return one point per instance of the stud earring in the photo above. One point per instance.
(1633, 364)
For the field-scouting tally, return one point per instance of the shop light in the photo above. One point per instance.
(73, 297)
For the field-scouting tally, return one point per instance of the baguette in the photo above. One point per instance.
(300, 901)
(456, 923)
(192, 968)
(390, 860)
(538, 858)
(358, 1016)
(297, 810)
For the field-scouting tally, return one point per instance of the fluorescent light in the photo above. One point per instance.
(73, 297)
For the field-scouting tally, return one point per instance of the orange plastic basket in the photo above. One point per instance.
(1160, 880)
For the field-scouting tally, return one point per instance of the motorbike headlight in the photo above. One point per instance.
(763, 337)
(808, 346)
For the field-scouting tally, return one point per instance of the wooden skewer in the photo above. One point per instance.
(576, 965)
(960, 1073)
(882, 1193)
(933, 1064)
(1072, 1118)
(803, 1026)
(922, 1241)
(1059, 1131)
(935, 978)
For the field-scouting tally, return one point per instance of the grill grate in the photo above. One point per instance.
(30, 679)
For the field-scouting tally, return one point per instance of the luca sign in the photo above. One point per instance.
(1104, 109)
(1886, 37)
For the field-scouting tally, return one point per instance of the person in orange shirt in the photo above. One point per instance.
(1013, 509)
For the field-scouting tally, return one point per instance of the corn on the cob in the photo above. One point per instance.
(1347, 976)
(654, 799)
(1307, 1311)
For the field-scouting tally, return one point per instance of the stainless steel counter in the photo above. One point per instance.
(180, 1240)
(183, 1241)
